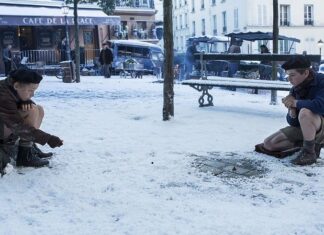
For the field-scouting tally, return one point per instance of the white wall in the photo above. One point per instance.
(253, 15)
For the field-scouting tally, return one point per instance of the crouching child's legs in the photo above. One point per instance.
(311, 125)
(28, 153)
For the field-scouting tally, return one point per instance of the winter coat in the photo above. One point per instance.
(190, 53)
(311, 97)
(106, 56)
(6, 54)
(9, 115)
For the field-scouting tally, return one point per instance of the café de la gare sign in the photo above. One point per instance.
(57, 20)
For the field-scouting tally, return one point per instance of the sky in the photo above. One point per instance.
(122, 170)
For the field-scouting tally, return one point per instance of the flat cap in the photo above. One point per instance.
(24, 75)
(297, 62)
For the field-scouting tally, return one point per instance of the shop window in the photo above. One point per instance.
(45, 39)
(9, 37)
(88, 37)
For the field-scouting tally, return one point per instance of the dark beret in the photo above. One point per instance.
(297, 62)
(25, 76)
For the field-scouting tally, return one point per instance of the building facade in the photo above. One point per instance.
(300, 19)
(35, 29)
(137, 20)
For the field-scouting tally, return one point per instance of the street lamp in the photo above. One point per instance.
(65, 10)
(320, 44)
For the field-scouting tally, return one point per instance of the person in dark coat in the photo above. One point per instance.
(21, 118)
(305, 104)
(190, 58)
(7, 59)
(61, 47)
(106, 58)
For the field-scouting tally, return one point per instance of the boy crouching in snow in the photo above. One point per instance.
(21, 118)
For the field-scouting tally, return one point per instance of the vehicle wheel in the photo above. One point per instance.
(122, 74)
(133, 74)
(60, 74)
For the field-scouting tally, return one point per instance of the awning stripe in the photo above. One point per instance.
(47, 16)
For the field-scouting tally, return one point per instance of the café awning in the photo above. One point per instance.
(50, 16)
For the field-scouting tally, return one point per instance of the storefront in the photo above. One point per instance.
(37, 26)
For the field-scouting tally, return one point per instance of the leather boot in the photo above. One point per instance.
(39, 153)
(307, 155)
(318, 148)
(304, 158)
(26, 157)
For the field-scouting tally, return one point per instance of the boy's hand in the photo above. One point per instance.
(27, 107)
(289, 101)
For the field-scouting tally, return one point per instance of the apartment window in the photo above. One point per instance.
(224, 21)
(283, 46)
(193, 5)
(213, 2)
(214, 25)
(144, 3)
(236, 19)
(180, 22)
(202, 4)
(308, 15)
(181, 43)
(264, 8)
(180, 3)
(203, 27)
(284, 15)
(175, 4)
(176, 22)
(186, 20)
(193, 28)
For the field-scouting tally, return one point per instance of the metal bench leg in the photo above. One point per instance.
(205, 92)
(209, 98)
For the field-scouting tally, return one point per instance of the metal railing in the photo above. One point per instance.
(134, 4)
(88, 57)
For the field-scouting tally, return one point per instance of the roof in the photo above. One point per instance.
(135, 43)
(47, 3)
(209, 39)
(254, 36)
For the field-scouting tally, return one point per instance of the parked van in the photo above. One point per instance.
(146, 57)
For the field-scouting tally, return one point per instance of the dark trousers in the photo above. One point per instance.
(7, 67)
(106, 70)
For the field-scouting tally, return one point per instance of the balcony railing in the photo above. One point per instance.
(134, 4)
(308, 22)
(284, 23)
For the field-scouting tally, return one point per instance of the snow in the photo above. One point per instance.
(122, 170)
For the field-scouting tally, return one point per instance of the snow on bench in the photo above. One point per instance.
(203, 85)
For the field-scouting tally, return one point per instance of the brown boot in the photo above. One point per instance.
(307, 155)
(304, 158)
(318, 148)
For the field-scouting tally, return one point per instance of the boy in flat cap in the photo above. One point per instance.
(20, 119)
(305, 104)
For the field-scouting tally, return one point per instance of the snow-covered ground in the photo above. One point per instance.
(122, 170)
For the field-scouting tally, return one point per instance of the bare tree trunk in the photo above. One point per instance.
(275, 48)
(77, 43)
(168, 93)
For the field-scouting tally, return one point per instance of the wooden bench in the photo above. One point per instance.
(205, 84)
